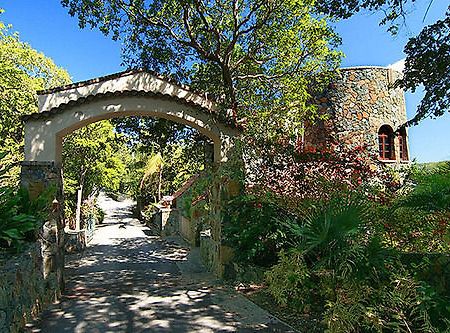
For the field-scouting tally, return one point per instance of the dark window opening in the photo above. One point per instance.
(386, 143)
(403, 148)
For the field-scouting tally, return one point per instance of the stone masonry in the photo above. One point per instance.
(25, 288)
(358, 103)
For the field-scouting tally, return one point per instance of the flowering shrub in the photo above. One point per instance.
(340, 223)
(314, 174)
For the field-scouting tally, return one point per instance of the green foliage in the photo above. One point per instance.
(257, 228)
(419, 220)
(431, 192)
(342, 268)
(289, 281)
(180, 149)
(397, 303)
(195, 198)
(14, 225)
(93, 159)
(329, 226)
(153, 166)
(20, 217)
(23, 70)
(427, 63)
(265, 58)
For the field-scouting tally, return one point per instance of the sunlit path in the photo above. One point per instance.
(130, 281)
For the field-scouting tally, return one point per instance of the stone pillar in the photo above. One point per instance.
(169, 221)
(37, 177)
(215, 254)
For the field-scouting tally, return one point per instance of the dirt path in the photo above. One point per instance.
(130, 281)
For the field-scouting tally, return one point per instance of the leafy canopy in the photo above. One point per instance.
(427, 54)
(262, 58)
(23, 70)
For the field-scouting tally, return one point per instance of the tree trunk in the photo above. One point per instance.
(228, 85)
(159, 183)
(78, 211)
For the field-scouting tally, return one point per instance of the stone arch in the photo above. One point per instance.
(132, 93)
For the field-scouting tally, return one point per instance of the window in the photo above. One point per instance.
(386, 143)
(403, 149)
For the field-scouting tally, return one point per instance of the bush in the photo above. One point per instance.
(289, 281)
(398, 303)
(20, 217)
(341, 266)
(257, 228)
(419, 220)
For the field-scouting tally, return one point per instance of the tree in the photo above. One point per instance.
(428, 63)
(263, 58)
(148, 133)
(427, 55)
(23, 70)
(92, 160)
(164, 155)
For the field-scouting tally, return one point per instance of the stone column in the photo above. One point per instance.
(37, 177)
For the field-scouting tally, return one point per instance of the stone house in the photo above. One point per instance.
(363, 109)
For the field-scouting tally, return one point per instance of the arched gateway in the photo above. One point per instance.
(132, 93)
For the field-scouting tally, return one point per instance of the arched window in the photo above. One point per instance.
(386, 143)
(403, 147)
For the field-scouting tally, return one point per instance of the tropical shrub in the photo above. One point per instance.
(341, 266)
(419, 220)
(15, 226)
(289, 281)
(20, 217)
(257, 228)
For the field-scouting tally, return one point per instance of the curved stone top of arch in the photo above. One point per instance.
(54, 100)
(130, 93)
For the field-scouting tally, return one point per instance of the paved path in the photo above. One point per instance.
(130, 281)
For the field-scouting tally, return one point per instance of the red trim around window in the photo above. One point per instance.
(386, 143)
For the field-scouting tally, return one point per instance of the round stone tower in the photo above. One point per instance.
(364, 109)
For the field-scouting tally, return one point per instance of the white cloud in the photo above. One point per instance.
(398, 66)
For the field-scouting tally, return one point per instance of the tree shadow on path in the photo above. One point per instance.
(135, 285)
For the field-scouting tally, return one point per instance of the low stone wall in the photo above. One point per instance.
(23, 289)
(186, 230)
(75, 241)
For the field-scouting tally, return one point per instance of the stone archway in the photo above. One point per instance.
(132, 93)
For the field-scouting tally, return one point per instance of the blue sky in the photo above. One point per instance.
(86, 54)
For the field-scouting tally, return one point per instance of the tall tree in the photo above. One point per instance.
(261, 57)
(23, 70)
(427, 54)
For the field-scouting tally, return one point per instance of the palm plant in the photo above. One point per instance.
(334, 235)
(153, 166)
